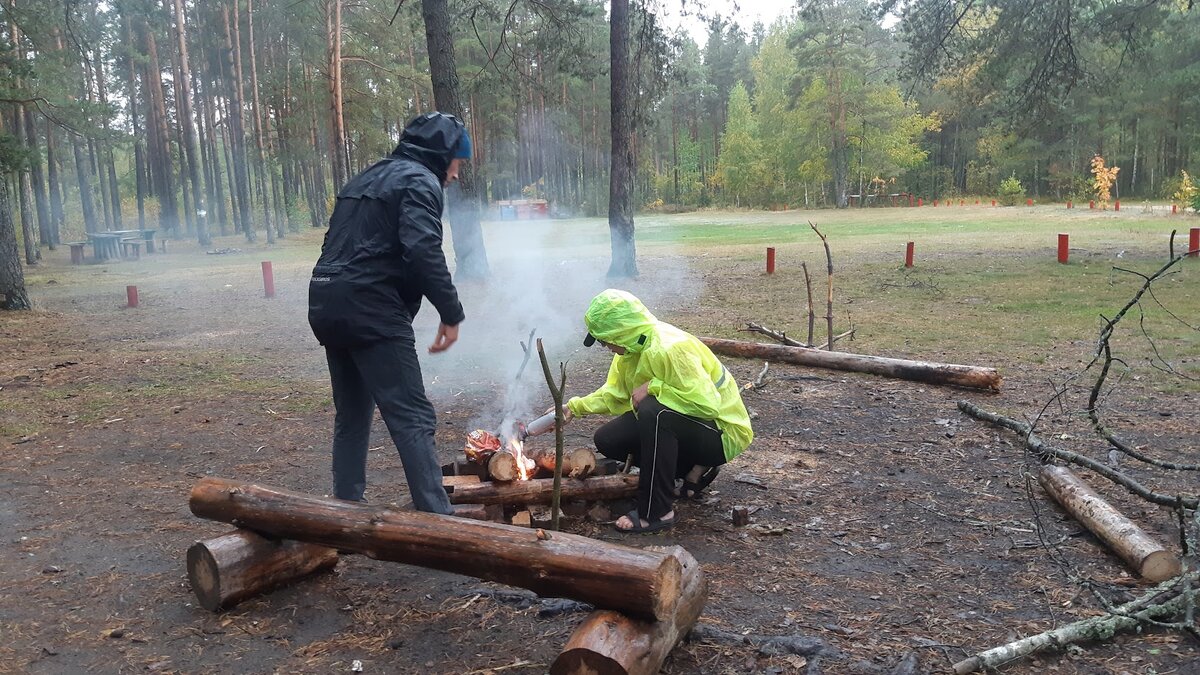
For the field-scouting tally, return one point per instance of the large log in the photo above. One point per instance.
(502, 466)
(227, 569)
(610, 576)
(577, 462)
(920, 371)
(1137, 548)
(610, 643)
(539, 490)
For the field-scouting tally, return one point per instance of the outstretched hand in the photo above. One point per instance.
(446, 336)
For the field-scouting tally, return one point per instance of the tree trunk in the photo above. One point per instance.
(337, 124)
(264, 196)
(39, 182)
(237, 130)
(104, 153)
(188, 126)
(919, 371)
(1138, 549)
(610, 643)
(610, 576)
(466, 233)
(12, 276)
(161, 168)
(139, 156)
(540, 490)
(84, 175)
(241, 564)
(621, 172)
(56, 200)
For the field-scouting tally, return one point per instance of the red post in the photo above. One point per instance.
(920, 201)
(770, 260)
(1064, 247)
(131, 295)
(1174, 209)
(1117, 205)
(1091, 203)
(1028, 202)
(935, 202)
(993, 202)
(1068, 203)
(908, 255)
(268, 279)
(1194, 242)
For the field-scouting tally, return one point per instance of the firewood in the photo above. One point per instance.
(538, 490)
(577, 462)
(502, 466)
(522, 519)
(638, 582)
(454, 481)
(611, 643)
(740, 516)
(920, 371)
(227, 569)
(1137, 548)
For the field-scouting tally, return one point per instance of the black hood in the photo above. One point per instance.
(431, 140)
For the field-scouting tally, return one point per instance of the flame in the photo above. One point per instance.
(525, 465)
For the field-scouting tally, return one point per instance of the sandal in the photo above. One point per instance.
(691, 490)
(637, 528)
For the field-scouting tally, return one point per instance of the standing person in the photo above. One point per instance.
(679, 411)
(382, 254)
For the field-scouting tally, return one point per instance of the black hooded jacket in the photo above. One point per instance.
(383, 250)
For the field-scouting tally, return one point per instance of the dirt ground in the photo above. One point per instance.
(885, 523)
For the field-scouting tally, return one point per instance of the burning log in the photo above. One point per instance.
(577, 463)
(232, 567)
(1151, 560)
(504, 467)
(540, 490)
(610, 643)
(641, 583)
(920, 371)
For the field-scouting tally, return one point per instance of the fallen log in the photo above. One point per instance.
(610, 643)
(920, 371)
(227, 569)
(641, 583)
(1138, 549)
(503, 466)
(539, 490)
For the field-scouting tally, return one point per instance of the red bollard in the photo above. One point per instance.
(935, 202)
(1028, 202)
(976, 202)
(908, 255)
(1091, 203)
(1064, 248)
(1194, 242)
(131, 295)
(268, 280)
(920, 201)
(1068, 203)
(1174, 209)
(993, 202)
(1117, 205)
(770, 260)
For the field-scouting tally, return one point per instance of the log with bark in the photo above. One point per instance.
(227, 569)
(637, 582)
(610, 643)
(577, 463)
(539, 490)
(504, 466)
(920, 371)
(1137, 548)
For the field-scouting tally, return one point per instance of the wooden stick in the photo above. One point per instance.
(829, 302)
(774, 335)
(610, 643)
(557, 394)
(540, 490)
(812, 316)
(920, 371)
(227, 569)
(610, 576)
(1137, 548)
(839, 336)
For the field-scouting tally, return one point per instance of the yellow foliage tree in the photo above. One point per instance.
(1186, 193)
(1102, 180)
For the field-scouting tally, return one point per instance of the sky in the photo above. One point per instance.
(745, 12)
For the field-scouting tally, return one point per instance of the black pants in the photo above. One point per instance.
(665, 445)
(386, 374)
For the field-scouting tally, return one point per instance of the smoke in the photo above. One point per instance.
(543, 275)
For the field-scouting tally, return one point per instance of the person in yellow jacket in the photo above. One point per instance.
(679, 411)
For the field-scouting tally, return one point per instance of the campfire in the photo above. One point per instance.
(506, 455)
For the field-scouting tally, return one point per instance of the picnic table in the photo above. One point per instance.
(105, 245)
(143, 235)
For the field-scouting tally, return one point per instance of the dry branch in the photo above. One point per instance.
(829, 298)
(557, 393)
(812, 315)
(610, 576)
(1145, 555)
(920, 371)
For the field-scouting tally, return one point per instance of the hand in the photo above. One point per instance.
(640, 394)
(446, 336)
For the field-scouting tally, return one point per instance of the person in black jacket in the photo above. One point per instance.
(381, 255)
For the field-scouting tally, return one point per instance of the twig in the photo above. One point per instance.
(758, 381)
(557, 394)
(849, 334)
(812, 316)
(774, 335)
(829, 299)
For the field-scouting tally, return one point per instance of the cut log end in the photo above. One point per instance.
(1160, 566)
(204, 575)
(580, 661)
(503, 467)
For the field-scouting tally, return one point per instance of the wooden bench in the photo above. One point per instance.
(132, 248)
(77, 251)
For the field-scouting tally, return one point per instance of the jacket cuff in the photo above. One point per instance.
(452, 316)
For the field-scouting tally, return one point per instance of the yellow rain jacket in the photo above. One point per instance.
(683, 373)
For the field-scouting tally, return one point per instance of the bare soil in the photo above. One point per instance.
(885, 523)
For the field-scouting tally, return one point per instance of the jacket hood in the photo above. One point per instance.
(431, 139)
(619, 318)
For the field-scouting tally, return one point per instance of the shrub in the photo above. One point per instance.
(1011, 191)
(1185, 191)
